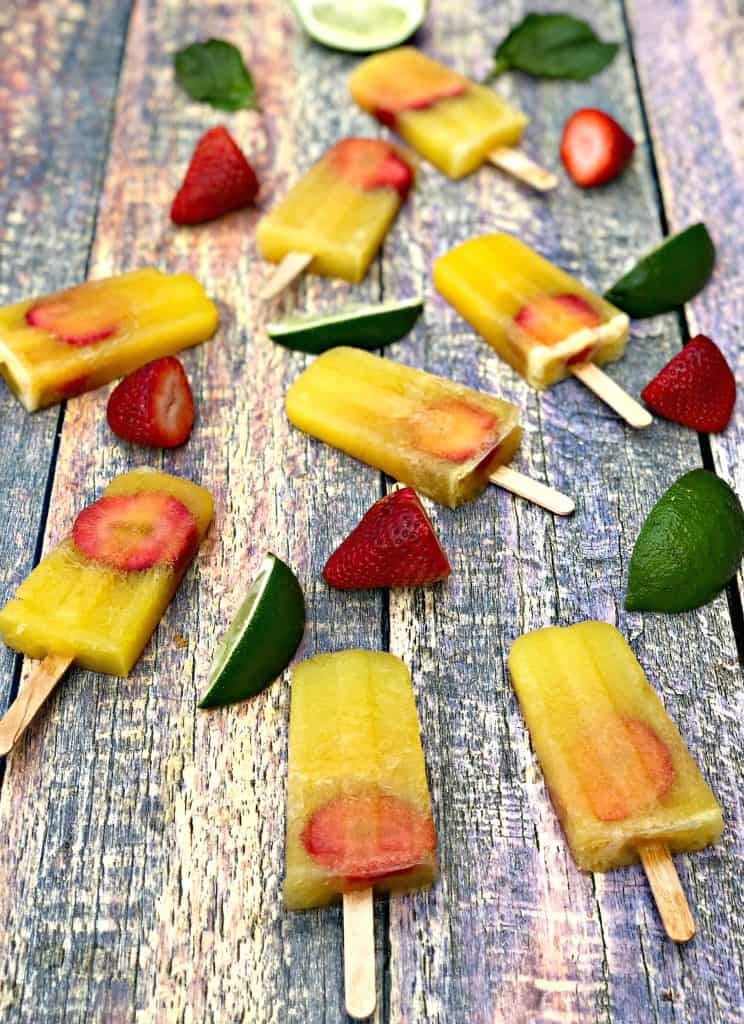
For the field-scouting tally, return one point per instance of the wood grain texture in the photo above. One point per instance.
(515, 932)
(142, 849)
(693, 85)
(58, 77)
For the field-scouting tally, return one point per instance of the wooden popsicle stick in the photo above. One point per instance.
(290, 268)
(519, 165)
(533, 490)
(31, 696)
(612, 394)
(669, 895)
(359, 954)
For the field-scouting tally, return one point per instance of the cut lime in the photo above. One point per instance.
(668, 276)
(360, 27)
(261, 639)
(366, 326)
(689, 547)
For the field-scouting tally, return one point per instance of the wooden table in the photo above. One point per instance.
(142, 841)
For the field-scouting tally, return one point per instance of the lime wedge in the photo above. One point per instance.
(689, 547)
(261, 639)
(360, 27)
(668, 276)
(367, 327)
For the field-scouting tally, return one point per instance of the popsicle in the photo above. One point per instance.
(75, 340)
(358, 811)
(452, 122)
(98, 595)
(542, 321)
(333, 220)
(618, 772)
(445, 440)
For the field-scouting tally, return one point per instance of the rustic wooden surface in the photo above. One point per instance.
(142, 841)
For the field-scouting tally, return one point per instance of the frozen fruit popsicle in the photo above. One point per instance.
(336, 216)
(443, 439)
(358, 811)
(541, 320)
(97, 596)
(619, 775)
(452, 122)
(76, 340)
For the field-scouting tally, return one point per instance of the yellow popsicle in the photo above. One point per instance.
(617, 770)
(441, 438)
(340, 210)
(77, 606)
(60, 345)
(452, 122)
(538, 318)
(358, 812)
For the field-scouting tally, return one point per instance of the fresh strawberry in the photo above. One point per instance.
(394, 545)
(696, 387)
(371, 163)
(594, 148)
(74, 316)
(137, 531)
(646, 781)
(153, 405)
(453, 430)
(219, 179)
(369, 835)
(551, 318)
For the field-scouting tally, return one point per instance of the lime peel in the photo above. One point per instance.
(261, 639)
(368, 326)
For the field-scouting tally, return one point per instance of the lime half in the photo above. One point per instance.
(261, 639)
(369, 326)
(360, 27)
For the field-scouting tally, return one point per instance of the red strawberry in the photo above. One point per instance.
(453, 430)
(219, 179)
(153, 405)
(594, 148)
(365, 836)
(696, 387)
(74, 316)
(551, 318)
(371, 163)
(394, 545)
(136, 531)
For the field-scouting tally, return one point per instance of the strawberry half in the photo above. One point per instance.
(153, 405)
(219, 179)
(594, 148)
(371, 163)
(394, 545)
(696, 387)
(369, 835)
(137, 531)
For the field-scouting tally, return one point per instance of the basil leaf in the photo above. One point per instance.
(215, 73)
(553, 46)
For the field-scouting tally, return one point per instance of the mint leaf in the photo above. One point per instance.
(553, 46)
(214, 72)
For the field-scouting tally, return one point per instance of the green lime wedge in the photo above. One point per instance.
(689, 547)
(261, 639)
(360, 27)
(367, 327)
(668, 276)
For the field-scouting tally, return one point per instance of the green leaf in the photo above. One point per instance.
(668, 276)
(553, 46)
(214, 72)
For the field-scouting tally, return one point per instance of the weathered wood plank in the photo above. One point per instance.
(690, 65)
(514, 932)
(58, 79)
(173, 821)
